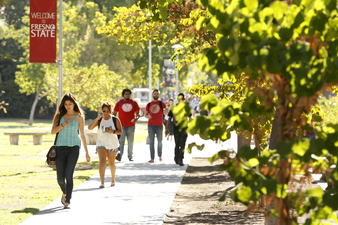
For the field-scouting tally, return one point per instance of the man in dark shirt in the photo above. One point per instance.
(180, 136)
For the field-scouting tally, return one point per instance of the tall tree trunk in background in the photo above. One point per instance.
(242, 141)
(31, 116)
(274, 138)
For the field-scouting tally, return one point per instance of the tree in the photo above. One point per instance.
(288, 52)
(41, 78)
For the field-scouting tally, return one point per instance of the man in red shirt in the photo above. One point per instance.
(154, 112)
(127, 108)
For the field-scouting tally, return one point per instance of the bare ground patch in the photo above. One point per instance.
(196, 201)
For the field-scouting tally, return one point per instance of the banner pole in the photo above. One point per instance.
(60, 61)
(149, 76)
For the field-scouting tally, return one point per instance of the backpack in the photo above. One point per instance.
(114, 121)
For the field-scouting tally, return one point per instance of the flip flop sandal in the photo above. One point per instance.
(63, 199)
(101, 186)
(112, 185)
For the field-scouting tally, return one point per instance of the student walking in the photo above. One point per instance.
(68, 120)
(180, 135)
(166, 118)
(107, 142)
(154, 114)
(127, 109)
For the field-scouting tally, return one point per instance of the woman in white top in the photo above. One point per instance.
(107, 142)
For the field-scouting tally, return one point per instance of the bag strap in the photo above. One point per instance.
(114, 121)
(160, 105)
(113, 118)
(56, 136)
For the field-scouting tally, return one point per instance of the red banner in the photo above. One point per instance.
(43, 31)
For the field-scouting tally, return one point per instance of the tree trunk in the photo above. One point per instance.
(242, 141)
(31, 116)
(274, 138)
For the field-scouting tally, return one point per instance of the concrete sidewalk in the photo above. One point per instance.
(143, 193)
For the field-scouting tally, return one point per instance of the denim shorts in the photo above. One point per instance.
(109, 150)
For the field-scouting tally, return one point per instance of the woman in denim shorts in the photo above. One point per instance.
(107, 142)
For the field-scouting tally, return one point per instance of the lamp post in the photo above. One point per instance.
(60, 61)
(192, 77)
(176, 46)
(150, 84)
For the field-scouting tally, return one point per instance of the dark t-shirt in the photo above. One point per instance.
(176, 126)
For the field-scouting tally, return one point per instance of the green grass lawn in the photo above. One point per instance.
(26, 183)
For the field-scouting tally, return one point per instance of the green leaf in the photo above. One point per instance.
(213, 158)
(214, 22)
(244, 194)
(253, 162)
(223, 197)
(203, 2)
(200, 22)
(163, 10)
(284, 147)
(279, 8)
(301, 147)
(285, 34)
(191, 145)
(251, 4)
(143, 4)
(208, 102)
(247, 153)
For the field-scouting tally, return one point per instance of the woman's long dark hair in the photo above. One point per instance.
(62, 110)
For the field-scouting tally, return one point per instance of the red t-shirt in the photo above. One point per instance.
(126, 111)
(156, 113)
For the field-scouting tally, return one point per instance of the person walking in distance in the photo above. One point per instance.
(166, 117)
(107, 143)
(67, 121)
(127, 108)
(180, 135)
(154, 114)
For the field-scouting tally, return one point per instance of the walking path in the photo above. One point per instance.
(143, 193)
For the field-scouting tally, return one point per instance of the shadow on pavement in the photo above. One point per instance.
(26, 210)
(231, 217)
(143, 179)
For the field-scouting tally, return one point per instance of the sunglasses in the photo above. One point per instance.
(108, 111)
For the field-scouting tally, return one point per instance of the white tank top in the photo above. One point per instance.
(109, 141)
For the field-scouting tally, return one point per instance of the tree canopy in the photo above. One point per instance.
(287, 50)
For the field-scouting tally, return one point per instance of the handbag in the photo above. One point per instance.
(51, 155)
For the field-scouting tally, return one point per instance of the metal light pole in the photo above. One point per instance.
(60, 93)
(150, 84)
(176, 46)
(192, 77)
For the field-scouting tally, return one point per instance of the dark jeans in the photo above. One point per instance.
(180, 139)
(66, 159)
(158, 130)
